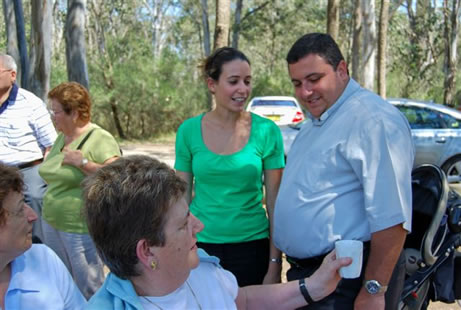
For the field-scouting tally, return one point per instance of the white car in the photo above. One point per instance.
(282, 110)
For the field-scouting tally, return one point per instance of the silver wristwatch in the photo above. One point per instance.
(374, 287)
(84, 162)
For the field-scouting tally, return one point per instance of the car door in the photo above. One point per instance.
(429, 133)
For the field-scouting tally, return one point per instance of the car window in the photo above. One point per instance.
(450, 121)
(422, 118)
(410, 114)
(258, 103)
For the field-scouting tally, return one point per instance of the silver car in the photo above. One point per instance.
(436, 131)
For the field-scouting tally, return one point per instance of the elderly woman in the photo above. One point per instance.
(80, 149)
(31, 276)
(141, 224)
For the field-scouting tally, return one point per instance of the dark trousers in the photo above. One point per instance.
(248, 261)
(344, 296)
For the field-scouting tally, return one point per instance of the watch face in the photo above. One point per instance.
(372, 286)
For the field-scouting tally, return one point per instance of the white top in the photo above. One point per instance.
(348, 175)
(214, 289)
(25, 128)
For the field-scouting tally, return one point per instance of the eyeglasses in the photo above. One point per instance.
(54, 113)
(5, 70)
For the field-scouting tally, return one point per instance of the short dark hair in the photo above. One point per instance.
(10, 180)
(321, 44)
(212, 65)
(126, 201)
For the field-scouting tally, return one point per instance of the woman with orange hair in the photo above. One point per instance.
(80, 149)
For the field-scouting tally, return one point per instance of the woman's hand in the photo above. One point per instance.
(325, 279)
(71, 157)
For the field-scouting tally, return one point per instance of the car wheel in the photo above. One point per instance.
(452, 168)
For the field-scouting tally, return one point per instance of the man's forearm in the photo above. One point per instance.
(386, 246)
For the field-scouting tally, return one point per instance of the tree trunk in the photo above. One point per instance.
(118, 125)
(451, 42)
(75, 42)
(382, 47)
(333, 18)
(369, 43)
(206, 28)
(22, 44)
(221, 34)
(236, 32)
(41, 47)
(357, 42)
(57, 28)
(206, 47)
(11, 35)
(156, 10)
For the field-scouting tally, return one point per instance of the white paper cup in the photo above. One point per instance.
(354, 250)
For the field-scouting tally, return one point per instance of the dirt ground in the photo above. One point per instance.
(165, 152)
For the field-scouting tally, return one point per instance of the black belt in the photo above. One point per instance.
(302, 263)
(30, 164)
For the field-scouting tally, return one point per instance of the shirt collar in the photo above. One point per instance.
(122, 289)
(351, 87)
(11, 98)
(19, 279)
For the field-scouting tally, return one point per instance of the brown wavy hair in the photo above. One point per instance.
(73, 97)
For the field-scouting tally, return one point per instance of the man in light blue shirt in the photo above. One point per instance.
(348, 176)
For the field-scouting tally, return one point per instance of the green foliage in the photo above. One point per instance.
(272, 84)
(143, 61)
(152, 96)
(416, 56)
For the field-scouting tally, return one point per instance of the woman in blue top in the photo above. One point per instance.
(224, 154)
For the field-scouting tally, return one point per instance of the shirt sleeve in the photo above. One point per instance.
(228, 282)
(42, 125)
(71, 295)
(183, 154)
(381, 154)
(101, 146)
(273, 157)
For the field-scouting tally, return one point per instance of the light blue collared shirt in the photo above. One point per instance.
(348, 174)
(39, 280)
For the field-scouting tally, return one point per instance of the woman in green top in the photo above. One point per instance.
(225, 153)
(80, 149)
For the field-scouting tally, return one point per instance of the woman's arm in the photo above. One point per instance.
(186, 176)
(272, 178)
(288, 295)
(75, 158)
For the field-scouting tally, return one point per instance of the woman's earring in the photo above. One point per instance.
(153, 265)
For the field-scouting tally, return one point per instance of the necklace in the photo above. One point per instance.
(191, 290)
(151, 302)
(193, 294)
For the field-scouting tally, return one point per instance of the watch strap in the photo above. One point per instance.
(304, 292)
